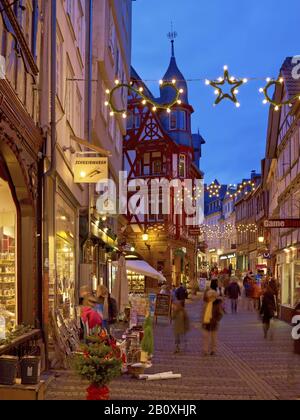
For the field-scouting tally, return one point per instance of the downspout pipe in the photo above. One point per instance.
(90, 71)
(89, 98)
(52, 168)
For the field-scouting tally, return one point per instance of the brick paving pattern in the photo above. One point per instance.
(247, 367)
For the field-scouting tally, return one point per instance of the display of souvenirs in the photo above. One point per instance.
(139, 304)
(8, 282)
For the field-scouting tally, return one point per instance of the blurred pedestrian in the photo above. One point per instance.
(173, 293)
(212, 315)
(256, 296)
(268, 311)
(248, 290)
(181, 325)
(181, 294)
(233, 292)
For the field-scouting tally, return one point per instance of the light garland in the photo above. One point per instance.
(214, 190)
(216, 84)
(251, 227)
(240, 189)
(232, 81)
(269, 100)
(145, 99)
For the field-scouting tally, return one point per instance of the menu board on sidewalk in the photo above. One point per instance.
(163, 306)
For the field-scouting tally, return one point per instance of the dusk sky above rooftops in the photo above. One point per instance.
(252, 38)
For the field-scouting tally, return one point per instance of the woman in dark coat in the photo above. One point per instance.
(268, 310)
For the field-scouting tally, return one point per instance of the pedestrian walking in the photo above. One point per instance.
(181, 294)
(173, 293)
(212, 315)
(268, 311)
(248, 289)
(233, 292)
(256, 296)
(181, 325)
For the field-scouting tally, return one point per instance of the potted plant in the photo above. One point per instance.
(98, 363)
(147, 344)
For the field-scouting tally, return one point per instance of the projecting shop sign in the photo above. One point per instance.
(282, 224)
(90, 170)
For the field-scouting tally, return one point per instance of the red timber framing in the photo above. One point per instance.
(150, 153)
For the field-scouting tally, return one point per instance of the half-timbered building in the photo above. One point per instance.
(160, 145)
(282, 180)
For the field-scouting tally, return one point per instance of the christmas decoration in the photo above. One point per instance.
(214, 190)
(232, 81)
(99, 363)
(269, 100)
(145, 99)
(245, 187)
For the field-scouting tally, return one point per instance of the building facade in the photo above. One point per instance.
(282, 178)
(21, 145)
(160, 145)
(92, 49)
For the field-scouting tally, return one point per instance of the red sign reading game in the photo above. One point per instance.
(282, 224)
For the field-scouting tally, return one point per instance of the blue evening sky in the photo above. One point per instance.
(251, 37)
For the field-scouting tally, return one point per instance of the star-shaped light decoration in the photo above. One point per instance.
(232, 81)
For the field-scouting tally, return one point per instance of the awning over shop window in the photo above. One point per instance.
(143, 268)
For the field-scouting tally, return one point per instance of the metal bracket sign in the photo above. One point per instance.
(282, 224)
(90, 170)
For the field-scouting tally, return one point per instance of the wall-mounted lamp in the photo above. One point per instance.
(261, 239)
(146, 239)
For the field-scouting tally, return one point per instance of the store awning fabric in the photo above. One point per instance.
(143, 268)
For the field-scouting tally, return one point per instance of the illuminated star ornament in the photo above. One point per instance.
(220, 83)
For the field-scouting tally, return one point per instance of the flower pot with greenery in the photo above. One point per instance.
(99, 364)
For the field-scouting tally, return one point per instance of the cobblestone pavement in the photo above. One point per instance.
(247, 367)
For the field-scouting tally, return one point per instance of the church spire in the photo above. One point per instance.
(172, 36)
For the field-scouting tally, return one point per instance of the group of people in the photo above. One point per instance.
(260, 297)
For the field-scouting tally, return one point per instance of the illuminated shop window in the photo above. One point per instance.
(8, 260)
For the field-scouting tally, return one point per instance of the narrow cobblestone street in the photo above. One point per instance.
(247, 367)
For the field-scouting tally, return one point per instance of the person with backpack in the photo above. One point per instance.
(233, 292)
(212, 316)
(181, 324)
(181, 294)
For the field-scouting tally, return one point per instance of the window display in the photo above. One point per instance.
(8, 260)
(65, 258)
(136, 282)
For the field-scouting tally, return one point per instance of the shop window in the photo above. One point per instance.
(65, 255)
(8, 261)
